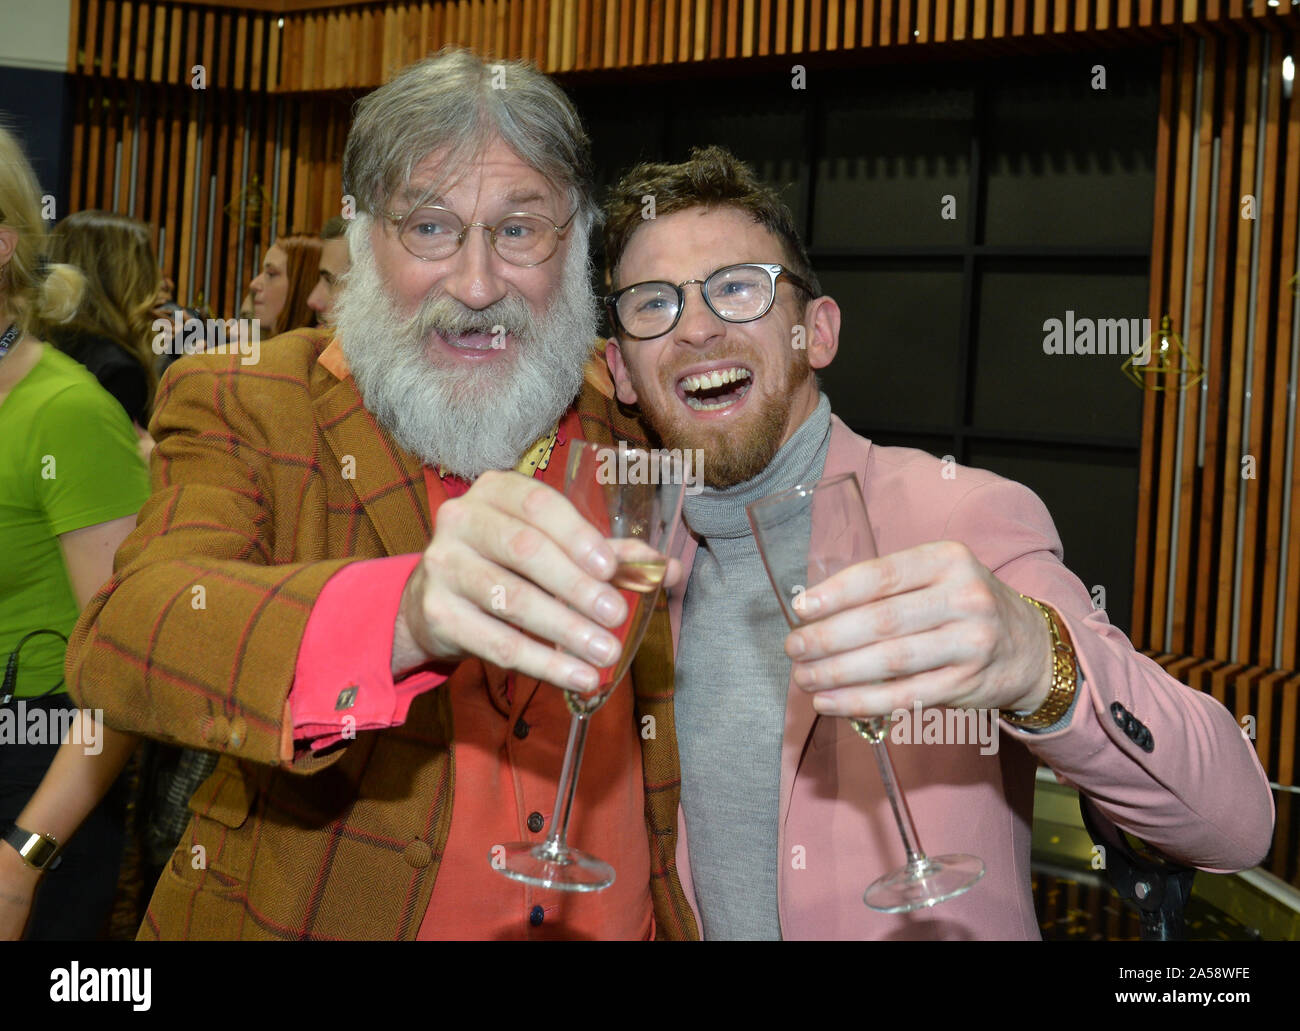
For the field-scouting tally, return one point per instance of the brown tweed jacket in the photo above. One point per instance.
(251, 514)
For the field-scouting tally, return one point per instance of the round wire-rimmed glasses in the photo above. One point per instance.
(805, 535)
(734, 293)
(432, 233)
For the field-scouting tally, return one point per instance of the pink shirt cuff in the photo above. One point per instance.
(343, 682)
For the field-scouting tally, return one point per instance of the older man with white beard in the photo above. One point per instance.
(356, 565)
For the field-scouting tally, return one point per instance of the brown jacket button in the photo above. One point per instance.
(216, 729)
(238, 732)
(418, 854)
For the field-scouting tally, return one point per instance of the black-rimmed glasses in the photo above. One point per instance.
(432, 233)
(734, 293)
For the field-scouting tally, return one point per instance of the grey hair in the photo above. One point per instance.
(454, 100)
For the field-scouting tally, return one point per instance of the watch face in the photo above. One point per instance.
(37, 850)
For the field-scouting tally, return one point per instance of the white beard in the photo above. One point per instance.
(464, 417)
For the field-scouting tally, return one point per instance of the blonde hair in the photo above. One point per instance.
(34, 291)
(116, 256)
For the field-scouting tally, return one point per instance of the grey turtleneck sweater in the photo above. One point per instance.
(731, 681)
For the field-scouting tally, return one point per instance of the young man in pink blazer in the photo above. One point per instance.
(783, 820)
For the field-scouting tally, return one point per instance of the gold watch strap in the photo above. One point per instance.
(1065, 677)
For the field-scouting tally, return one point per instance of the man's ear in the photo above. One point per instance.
(617, 368)
(822, 319)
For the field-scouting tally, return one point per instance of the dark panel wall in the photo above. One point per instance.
(34, 104)
(1052, 184)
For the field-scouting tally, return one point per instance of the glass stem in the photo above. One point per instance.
(897, 800)
(568, 786)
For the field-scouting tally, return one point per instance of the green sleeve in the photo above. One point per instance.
(87, 456)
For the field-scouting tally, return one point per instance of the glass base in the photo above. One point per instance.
(545, 866)
(927, 883)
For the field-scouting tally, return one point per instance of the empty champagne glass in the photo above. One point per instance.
(797, 558)
(634, 498)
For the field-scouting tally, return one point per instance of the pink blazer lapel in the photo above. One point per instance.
(845, 454)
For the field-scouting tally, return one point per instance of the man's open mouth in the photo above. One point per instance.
(715, 389)
(475, 340)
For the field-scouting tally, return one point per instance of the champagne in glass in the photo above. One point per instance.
(634, 498)
(806, 534)
(640, 572)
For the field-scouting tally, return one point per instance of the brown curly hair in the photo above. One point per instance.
(712, 177)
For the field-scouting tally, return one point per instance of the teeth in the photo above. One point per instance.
(712, 406)
(701, 406)
(715, 378)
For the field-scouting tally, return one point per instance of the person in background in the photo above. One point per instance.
(334, 265)
(71, 481)
(164, 312)
(280, 291)
(111, 332)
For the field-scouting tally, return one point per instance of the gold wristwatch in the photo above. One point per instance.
(37, 850)
(1065, 678)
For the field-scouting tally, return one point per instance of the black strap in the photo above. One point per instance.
(1158, 887)
(8, 686)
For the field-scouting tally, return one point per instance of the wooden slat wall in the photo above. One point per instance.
(1218, 527)
(1230, 623)
(187, 149)
(1272, 698)
(357, 46)
(160, 42)
(1209, 543)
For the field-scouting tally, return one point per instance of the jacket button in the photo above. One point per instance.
(536, 822)
(417, 854)
(1132, 726)
(536, 915)
(217, 730)
(238, 732)
(521, 728)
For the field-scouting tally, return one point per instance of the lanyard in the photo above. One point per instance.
(7, 341)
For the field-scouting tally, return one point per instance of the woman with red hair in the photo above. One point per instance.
(280, 291)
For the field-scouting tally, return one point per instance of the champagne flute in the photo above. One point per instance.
(796, 559)
(633, 497)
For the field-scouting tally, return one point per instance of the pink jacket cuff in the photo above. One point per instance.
(343, 683)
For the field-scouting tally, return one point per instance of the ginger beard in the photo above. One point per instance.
(735, 450)
(467, 418)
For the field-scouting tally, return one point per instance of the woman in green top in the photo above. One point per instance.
(71, 481)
